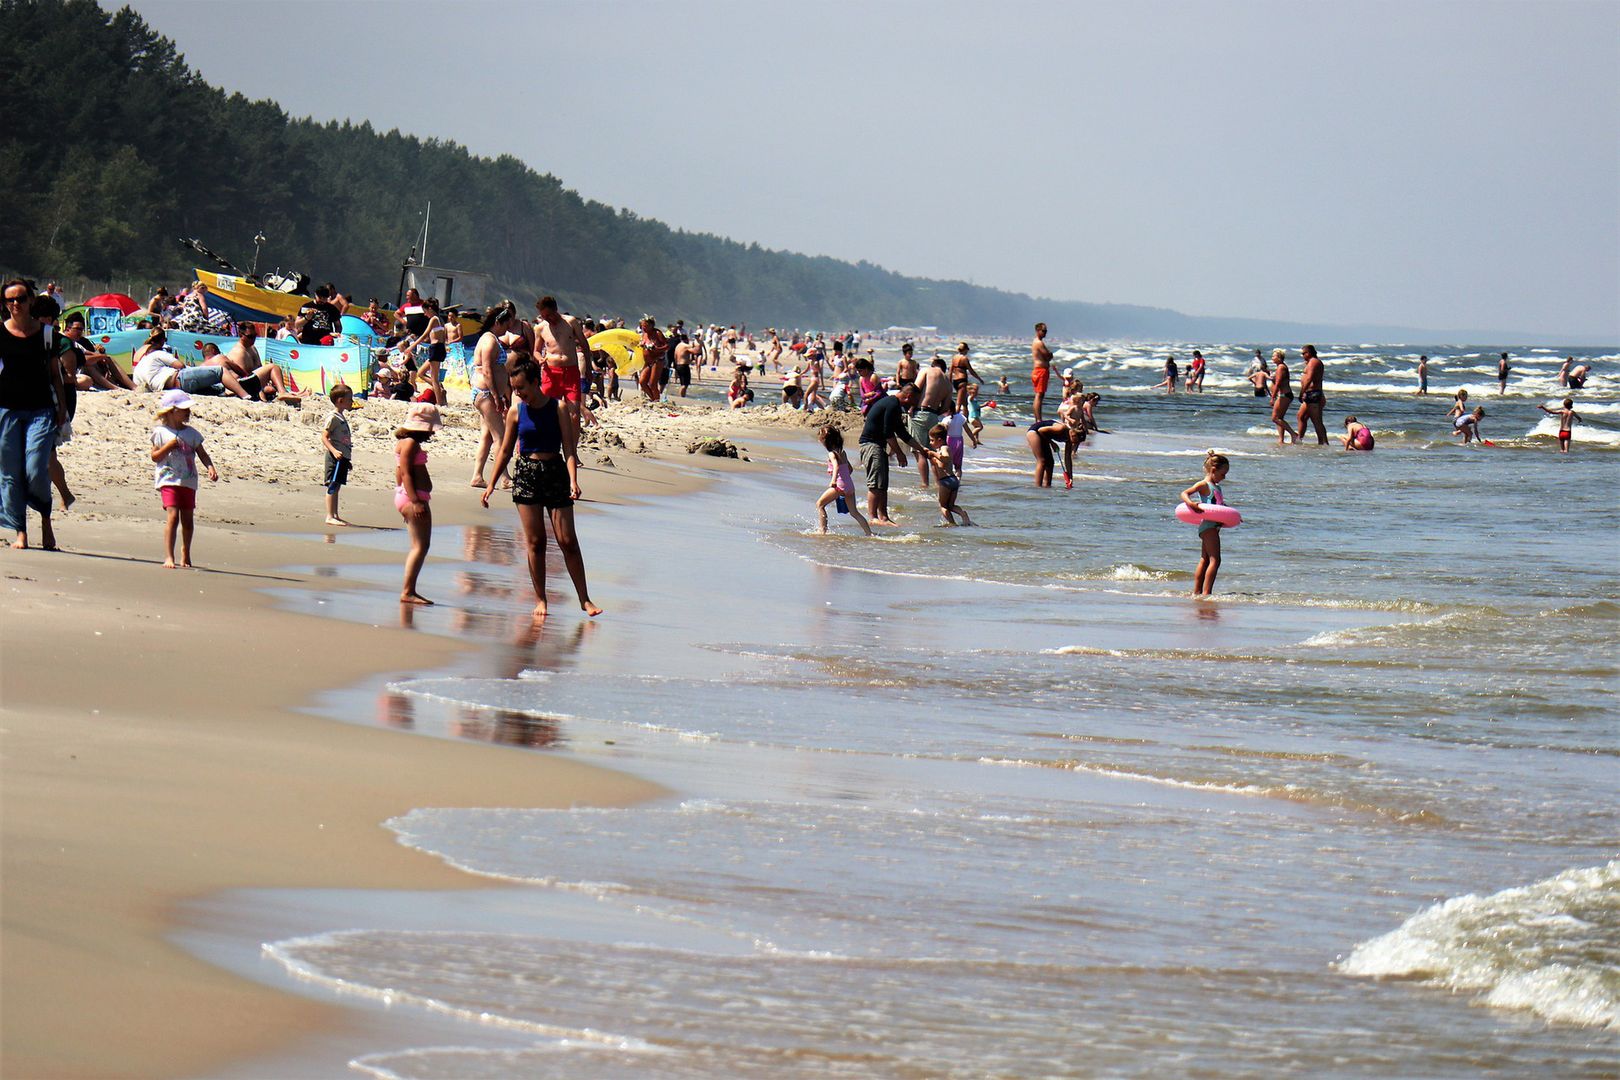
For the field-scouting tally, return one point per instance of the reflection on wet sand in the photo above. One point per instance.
(507, 728)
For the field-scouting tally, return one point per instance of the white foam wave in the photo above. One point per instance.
(287, 954)
(1548, 948)
(1580, 433)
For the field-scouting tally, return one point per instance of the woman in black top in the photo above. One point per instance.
(32, 407)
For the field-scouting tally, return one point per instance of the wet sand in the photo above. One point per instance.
(153, 751)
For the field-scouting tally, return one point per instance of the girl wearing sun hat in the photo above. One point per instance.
(176, 449)
(413, 488)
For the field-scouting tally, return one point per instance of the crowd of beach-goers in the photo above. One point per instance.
(535, 381)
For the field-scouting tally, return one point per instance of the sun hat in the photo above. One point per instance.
(423, 416)
(173, 399)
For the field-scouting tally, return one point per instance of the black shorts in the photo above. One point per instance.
(1311, 397)
(683, 374)
(336, 473)
(251, 385)
(541, 483)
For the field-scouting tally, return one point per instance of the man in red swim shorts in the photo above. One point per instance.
(563, 344)
(1040, 375)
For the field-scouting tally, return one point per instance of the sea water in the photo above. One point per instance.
(1006, 801)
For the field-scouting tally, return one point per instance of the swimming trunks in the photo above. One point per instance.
(1039, 379)
(875, 462)
(1312, 397)
(560, 382)
(950, 483)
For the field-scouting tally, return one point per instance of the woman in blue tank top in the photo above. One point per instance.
(545, 480)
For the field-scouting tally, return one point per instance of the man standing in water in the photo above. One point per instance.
(1502, 370)
(1311, 398)
(935, 389)
(885, 420)
(1040, 356)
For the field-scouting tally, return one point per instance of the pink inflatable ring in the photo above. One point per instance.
(1220, 515)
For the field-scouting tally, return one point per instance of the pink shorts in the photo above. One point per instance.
(178, 498)
(560, 382)
(401, 501)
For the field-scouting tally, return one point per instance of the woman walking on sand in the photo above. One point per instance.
(488, 354)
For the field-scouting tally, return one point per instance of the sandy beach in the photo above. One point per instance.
(153, 751)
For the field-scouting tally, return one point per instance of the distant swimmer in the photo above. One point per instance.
(1567, 419)
(1171, 374)
(1040, 355)
(1357, 436)
(1311, 398)
(1423, 376)
(1258, 374)
(1282, 397)
(1502, 370)
(1563, 370)
(1002, 385)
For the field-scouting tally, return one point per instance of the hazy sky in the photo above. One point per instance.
(1431, 164)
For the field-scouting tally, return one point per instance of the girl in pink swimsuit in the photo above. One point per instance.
(413, 487)
(840, 481)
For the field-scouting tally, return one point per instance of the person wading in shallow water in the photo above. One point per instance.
(885, 420)
(1040, 374)
(1311, 398)
(545, 480)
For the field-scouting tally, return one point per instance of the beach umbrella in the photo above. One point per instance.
(113, 300)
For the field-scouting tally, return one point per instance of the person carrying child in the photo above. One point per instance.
(947, 482)
(413, 487)
(1208, 490)
(339, 449)
(176, 449)
(840, 481)
(1567, 419)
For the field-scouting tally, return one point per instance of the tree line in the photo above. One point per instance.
(113, 147)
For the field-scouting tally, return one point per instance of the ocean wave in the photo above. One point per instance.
(1580, 433)
(1294, 793)
(301, 958)
(1551, 948)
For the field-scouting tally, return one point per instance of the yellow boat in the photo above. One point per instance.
(244, 301)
